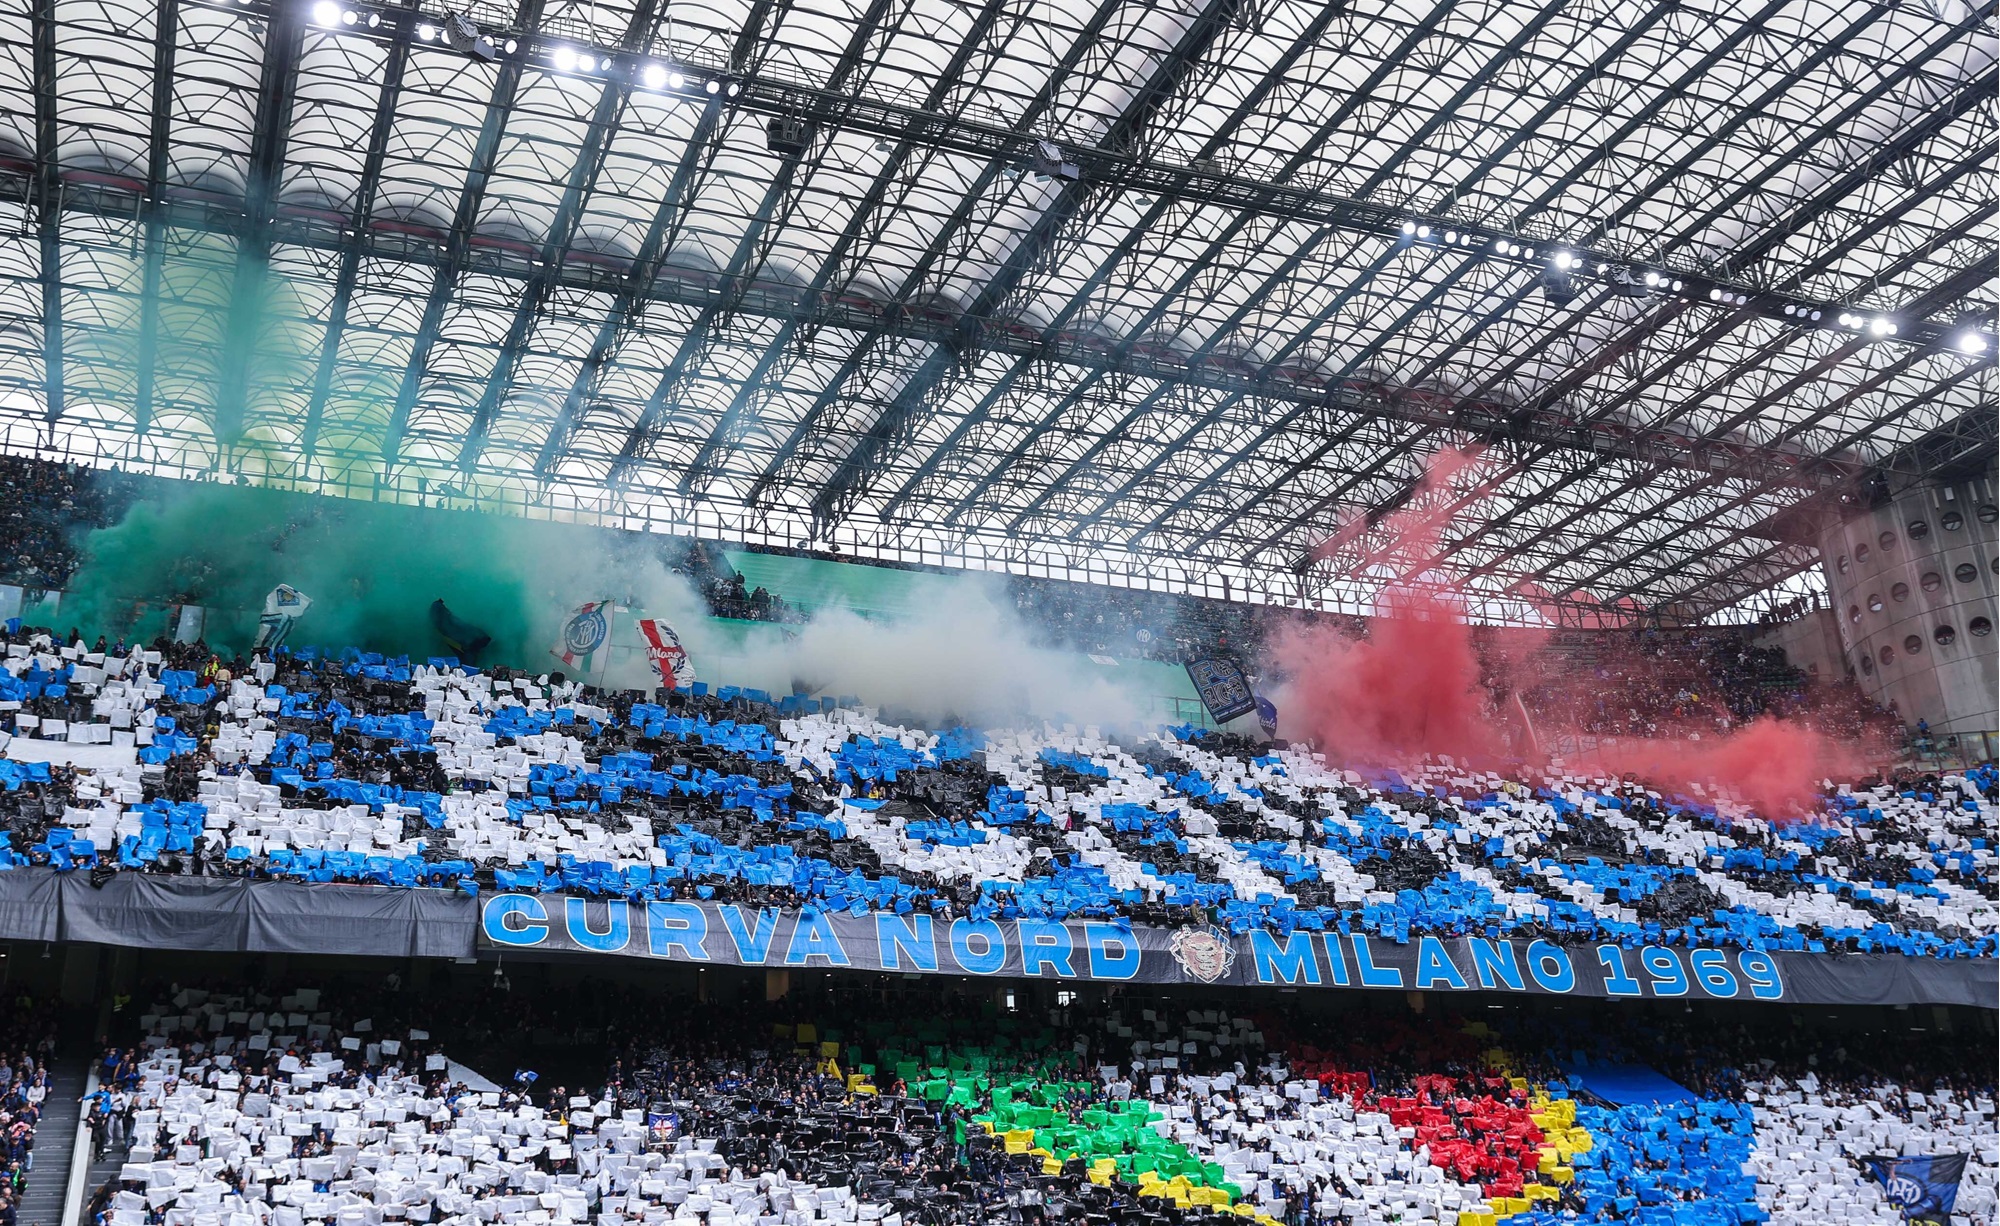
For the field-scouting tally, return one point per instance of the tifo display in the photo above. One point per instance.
(363, 769)
(301, 1107)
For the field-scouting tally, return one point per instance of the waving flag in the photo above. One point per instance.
(663, 648)
(1921, 1189)
(285, 605)
(587, 629)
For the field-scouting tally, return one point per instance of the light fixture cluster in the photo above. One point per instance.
(651, 74)
(333, 16)
(1561, 268)
(1873, 325)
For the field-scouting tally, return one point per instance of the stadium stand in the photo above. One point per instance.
(345, 1107)
(360, 768)
(27, 1041)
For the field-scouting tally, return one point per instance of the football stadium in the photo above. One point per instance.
(944, 612)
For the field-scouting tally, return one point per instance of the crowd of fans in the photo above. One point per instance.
(27, 1042)
(45, 510)
(856, 1101)
(357, 768)
(1675, 682)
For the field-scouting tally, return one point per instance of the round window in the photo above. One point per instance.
(1874, 602)
(1944, 636)
(1842, 564)
(1861, 555)
(1965, 572)
(1887, 654)
(1887, 540)
(1900, 593)
(1932, 581)
(1988, 512)
(1854, 613)
(1952, 521)
(1980, 627)
(1918, 529)
(1867, 665)
(1913, 644)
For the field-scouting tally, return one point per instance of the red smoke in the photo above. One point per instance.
(1773, 766)
(1413, 688)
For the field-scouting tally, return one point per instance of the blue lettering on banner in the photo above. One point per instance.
(676, 925)
(753, 944)
(1290, 962)
(897, 936)
(614, 938)
(1434, 966)
(532, 929)
(1540, 955)
(1712, 968)
(1761, 969)
(814, 937)
(1100, 937)
(1670, 978)
(1373, 976)
(1617, 982)
(1336, 961)
(1045, 943)
(1494, 962)
(991, 958)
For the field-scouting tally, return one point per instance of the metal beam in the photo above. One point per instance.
(1082, 45)
(858, 467)
(1557, 101)
(669, 220)
(562, 231)
(458, 241)
(284, 43)
(383, 124)
(166, 28)
(1307, 149)
(48, 222)
(778, 203)
(1309, 38)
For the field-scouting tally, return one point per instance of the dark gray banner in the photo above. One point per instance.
(219, 913)
(1115, 953)
(230, 914)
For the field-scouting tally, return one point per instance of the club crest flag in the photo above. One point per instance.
(1222, 687)
(1921, 1189)
(587, 630)
(663, 648)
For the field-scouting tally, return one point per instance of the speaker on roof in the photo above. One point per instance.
(785, 135)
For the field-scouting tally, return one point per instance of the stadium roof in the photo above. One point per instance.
(1305, 246)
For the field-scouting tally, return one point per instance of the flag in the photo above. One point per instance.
(586, 630)
(663, 648)
(462, 637)
(1222, 687)
(1921, 1189)
(285, 605)
(1267, 715)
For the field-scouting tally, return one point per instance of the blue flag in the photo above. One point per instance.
(1267, 715)
(1921, 1189)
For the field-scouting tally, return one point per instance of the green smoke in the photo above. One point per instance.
(372, 571)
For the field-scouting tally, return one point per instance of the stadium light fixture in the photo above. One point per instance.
(1409, 228)
(564, 59)
(326, 13)
(1972, 342)
(654, 75)
(427, 32)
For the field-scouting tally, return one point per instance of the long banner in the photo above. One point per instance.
(1107, 952)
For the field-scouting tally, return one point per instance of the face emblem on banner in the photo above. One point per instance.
(1203, 953)
(1905, 1192)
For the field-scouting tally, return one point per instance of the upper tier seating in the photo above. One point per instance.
(358, 768)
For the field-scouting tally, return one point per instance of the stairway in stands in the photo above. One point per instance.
(55, 1139)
